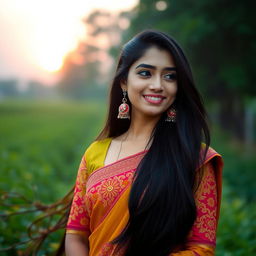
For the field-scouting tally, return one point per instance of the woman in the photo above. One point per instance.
(148, 185)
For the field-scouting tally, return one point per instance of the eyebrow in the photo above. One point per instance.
(153, 67)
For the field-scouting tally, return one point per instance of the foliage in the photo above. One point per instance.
(42, 143)
(86, 70)
(237, 225)
(8, 88)
(41, 147)
(220, 44)
(210, 34)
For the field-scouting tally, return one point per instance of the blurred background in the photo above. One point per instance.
(57, 60)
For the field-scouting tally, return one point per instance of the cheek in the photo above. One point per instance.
(175, 90)
(134, 95)
(172, 89)
(135, 87)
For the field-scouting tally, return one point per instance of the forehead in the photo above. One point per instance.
(156, 57)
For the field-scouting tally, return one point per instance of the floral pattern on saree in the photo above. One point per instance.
(110, 249)
(100, 204)
(106, 185)
(204, 228)
(78, 217)
(108, 190)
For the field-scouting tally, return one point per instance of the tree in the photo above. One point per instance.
(87, 70)
(9, 88)
(219, 38)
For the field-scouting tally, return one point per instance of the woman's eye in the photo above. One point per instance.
(144, 73)
(171, 76)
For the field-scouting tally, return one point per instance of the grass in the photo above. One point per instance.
(41, 146)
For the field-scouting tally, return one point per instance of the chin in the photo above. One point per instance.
(150, 112)
(153, 114)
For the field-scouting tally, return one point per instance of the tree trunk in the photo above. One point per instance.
(232, 115)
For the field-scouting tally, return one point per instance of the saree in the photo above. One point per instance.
(100, 212)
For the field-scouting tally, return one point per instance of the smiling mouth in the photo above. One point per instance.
(154, 99)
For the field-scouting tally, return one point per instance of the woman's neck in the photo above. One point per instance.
(141, 128)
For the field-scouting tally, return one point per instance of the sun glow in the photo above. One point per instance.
(51, 65)
(42, 33)
(56, 32)
(54, 38)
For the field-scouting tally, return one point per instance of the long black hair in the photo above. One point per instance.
(161, 204)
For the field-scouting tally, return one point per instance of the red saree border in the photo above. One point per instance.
(123, 165)
(129, 163)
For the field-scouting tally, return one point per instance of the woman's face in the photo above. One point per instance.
(151, 84)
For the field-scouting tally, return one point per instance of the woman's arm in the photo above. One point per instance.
(78, 229)
(76, 245)
(202, 238)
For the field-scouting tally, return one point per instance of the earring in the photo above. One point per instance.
(171, 115)
(124, 109)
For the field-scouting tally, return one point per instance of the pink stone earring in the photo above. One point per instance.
(124, 109)
(171, 115)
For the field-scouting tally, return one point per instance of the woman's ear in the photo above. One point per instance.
(124, 85)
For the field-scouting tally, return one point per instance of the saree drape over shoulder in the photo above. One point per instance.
(100, 204)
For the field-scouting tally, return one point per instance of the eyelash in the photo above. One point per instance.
(144, 71)
(173, 76)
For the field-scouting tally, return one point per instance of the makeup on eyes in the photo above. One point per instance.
(147, 73)
(142, 65)
(173, 76)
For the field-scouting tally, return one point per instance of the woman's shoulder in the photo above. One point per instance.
(95, 154)
(97, 147)
(211, 155)
(211, 165)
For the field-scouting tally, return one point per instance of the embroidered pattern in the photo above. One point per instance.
(204, 228)
(110, 249)
(95, 195)
(116, 168)
(108, 190)
(105, 186)
(78, 217)
(99, 191)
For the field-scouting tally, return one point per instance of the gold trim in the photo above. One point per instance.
(77, 232)
(205, 246)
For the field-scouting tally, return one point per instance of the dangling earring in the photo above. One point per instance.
(124, 109)
(171, 115)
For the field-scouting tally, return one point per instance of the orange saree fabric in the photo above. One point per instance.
(100, 211)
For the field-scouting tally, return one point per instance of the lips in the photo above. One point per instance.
(155, 99)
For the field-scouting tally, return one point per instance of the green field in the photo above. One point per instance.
(40, 150)
(41, 147)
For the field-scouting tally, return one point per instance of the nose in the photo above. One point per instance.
(156, 83)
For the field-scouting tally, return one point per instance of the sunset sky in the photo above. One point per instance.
(37, 34)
